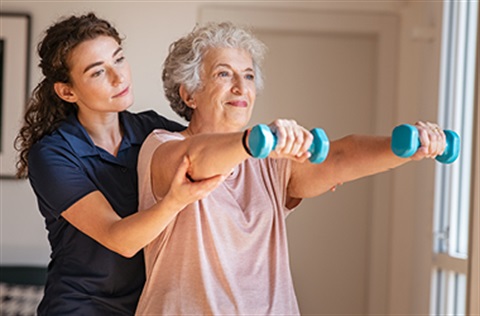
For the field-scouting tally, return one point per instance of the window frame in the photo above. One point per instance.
(453, 216)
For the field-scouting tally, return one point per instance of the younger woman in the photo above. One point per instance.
(79, 148)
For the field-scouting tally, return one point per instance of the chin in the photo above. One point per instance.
(125, 104)
(121, 108)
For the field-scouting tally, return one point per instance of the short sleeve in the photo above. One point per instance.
(151, 143)
(57, 178)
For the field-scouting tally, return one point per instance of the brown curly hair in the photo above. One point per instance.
(45, 110)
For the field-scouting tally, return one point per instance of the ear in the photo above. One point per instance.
(187, 97)
(65, 92)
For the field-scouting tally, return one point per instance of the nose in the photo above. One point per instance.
(117, 77)
(239, 86)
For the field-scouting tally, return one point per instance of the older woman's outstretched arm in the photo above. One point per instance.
(209, 154)
(212, 154)
(358, 156)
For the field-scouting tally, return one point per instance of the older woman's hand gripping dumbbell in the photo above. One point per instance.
(261, 141)
(405, 143)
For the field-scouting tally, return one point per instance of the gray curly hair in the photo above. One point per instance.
(183, 64)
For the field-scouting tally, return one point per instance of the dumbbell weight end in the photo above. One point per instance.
(452, 150)
(320, 146)
(261, 141)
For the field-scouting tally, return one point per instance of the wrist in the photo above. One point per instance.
(172, 205)
(246, 133)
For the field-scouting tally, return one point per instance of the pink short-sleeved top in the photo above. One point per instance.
(225, 254)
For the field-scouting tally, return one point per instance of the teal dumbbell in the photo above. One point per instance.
(405, 143)
(261, 141)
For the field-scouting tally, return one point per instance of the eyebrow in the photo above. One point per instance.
(98, 63)
(228, 66)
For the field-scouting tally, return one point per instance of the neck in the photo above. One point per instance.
(104, 130)
(196, 127)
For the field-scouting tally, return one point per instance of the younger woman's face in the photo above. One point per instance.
(100, 76)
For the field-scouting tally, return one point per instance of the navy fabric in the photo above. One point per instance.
(85, 278)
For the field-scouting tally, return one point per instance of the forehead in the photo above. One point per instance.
(92, 51)
(232, 57)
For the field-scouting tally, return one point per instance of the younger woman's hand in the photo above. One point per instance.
(183, 191)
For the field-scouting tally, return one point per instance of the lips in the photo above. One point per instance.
(122, 93)
(240, 104)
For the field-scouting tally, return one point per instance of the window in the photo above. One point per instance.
(453, 185)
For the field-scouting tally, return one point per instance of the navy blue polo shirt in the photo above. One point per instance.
(85, 278)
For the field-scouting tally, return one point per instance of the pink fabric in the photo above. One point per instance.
(225, 254)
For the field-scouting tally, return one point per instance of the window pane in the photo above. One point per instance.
(449, 293)
(437, 301)
(460, 294)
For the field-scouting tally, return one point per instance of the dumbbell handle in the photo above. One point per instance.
(406, 141)
(261, 141)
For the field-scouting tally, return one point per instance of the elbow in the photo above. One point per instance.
(126, 252)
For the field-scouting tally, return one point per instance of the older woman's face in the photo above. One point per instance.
(226, 99)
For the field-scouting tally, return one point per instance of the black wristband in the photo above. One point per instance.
(244, 142)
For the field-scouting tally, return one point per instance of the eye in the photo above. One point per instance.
(223, 74)
(120, 60)
(97, 73)
(250, 77)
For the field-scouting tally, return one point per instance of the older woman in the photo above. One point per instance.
(227, 253)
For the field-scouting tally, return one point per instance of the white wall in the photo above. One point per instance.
(412, 212)
(149, 27)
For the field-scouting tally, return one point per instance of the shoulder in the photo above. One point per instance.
(156, 138)
(149, 120)
(161, 135)
(53, 144)
(50, 152)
